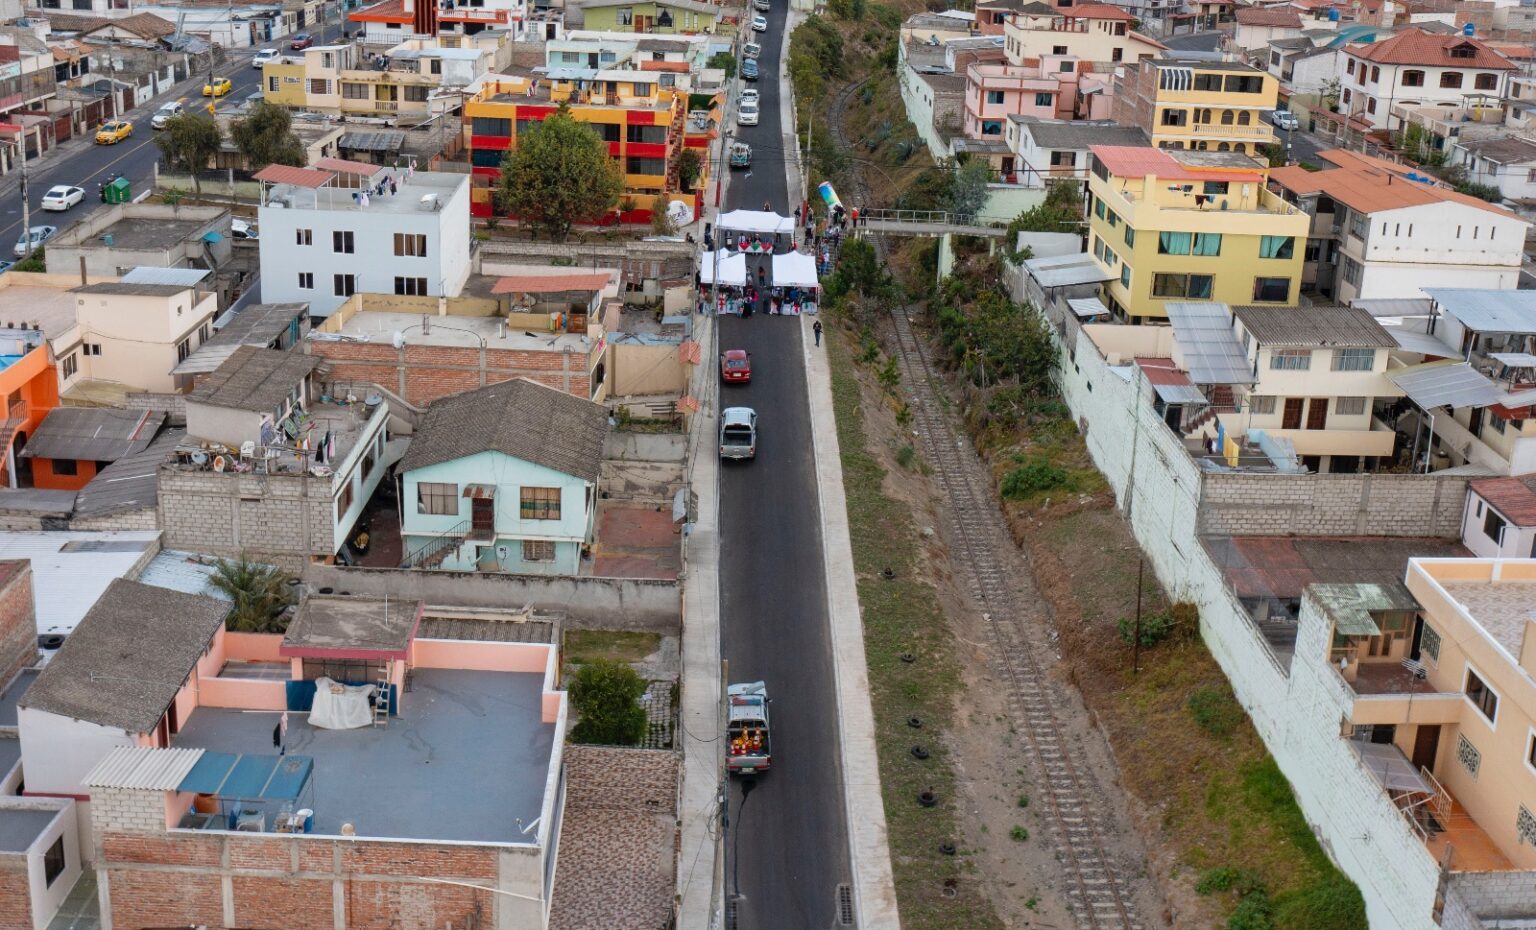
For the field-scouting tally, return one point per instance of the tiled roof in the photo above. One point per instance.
(1371, 185)
(1313, 326)
(550, 283)
(1097, 11)
(1515, 498)
(521, 418)
(1417, 47)
(1258, 16)
(298, 177)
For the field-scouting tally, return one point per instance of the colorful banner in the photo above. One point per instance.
(829, 195)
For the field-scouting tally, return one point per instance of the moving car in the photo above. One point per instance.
(747, 115)
(763, 5)
(759, 24)
(62, 197)
(748, 750)
(1285, 119)
(114, 132)
(741, 155)
(165, 114)
(738, 432)
(264, 56)
(749, 70)
(736, 366)
(41, 234)
(242, 229)
(749, 94)
(217, 87)
(301, 41)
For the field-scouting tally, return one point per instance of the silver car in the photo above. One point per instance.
(39, 235)
(738, 433)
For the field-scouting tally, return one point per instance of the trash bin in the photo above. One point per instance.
(118, 191)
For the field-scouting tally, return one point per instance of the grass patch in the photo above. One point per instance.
(586, 646)
(902, 615)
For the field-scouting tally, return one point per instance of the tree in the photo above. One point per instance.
(266, 138)
(559, 174)
(724, 61)
(260, 592)
(689, 164)
(606, 695)
(190, 141)
(661, 221)
(968, 194)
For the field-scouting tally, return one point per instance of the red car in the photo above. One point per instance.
(301, 41)
(735, 366)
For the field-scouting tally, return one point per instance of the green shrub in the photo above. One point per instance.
(1215, 711)
(1227, 878)
(607, 696)
(1019, 834)
(1154, 629)
(1253, 912)
(1032, 477)
(1334, 904)
(906, 456)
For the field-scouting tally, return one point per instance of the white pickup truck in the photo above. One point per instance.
(746, 728)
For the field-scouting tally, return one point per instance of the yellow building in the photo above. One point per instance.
(331, 79)
(1215, 106)
(644, 123)
(1190, 226)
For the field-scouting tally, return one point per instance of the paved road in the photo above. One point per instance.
(1301, 145)
(792, 834)
(1195, 42)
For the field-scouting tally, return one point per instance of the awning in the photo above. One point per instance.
(755, 221)
(1390, 767)
(1446, 384)
(239, 777)
(1514, 359)
(1422, 343)
(1179, 394)
(1488, 311)
(1212, 353)
(794, 269)
(1066, 270)
(1088, 307)
(733, 268)
(480, 492)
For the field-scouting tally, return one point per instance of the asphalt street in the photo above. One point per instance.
(787, 850)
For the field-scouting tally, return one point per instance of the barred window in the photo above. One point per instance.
(538, 550)
(539, 503)
(1429, 642)
(1525, 826)
(1467, 755)
(437, 497)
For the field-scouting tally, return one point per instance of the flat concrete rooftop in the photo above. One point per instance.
(10, 696)
(352, 624)
(10, 754)
(338, 194)
(51, 308)
(1500, 607)
(137, 233)
(467, 758)
(379, 326)
(19, 828)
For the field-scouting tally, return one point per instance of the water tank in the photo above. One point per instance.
(1469, 30)
(1333, 15)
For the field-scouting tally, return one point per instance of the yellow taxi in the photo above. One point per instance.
(113, 132)
(217, 87)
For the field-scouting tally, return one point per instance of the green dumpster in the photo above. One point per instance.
(118, 192)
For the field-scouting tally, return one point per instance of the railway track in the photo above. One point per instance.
(1096, 889)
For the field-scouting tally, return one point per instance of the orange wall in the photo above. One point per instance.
(36, 379)
(43, 476)
(483, 657)
(251, 647)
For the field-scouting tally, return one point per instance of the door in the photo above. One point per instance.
(482, 515)
(1426, 744)
(1317, 413)
(1291, 419)
(1475, 424)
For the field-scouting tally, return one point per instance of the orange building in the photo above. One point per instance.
(29, 388)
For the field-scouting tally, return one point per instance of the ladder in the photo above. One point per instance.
(381, 699)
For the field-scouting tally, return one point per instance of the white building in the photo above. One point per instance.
(1257, 27)
(1500, 520)
(1508, 164)
(325, 236)
(1048, 150)
(1413, 68)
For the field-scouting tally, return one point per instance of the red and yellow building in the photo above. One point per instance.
(29, 389)
(644, 124)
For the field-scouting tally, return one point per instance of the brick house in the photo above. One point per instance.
(18, 619)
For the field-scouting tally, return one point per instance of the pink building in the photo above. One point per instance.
(1051, 88)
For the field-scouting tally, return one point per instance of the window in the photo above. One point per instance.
(272, 85)
(1290, 360)
(991, 127)
(319, 86)
(1375, 73)
(1282, 247)
(1045, 100)
(413, 245)
(1069, 160)
(1354, 359)
(1349, 406)
(1208, 82)
(204, 333)
(1175, 118)
(657, 135)
(1464, 50)
(1058, 50)
(1349, 67)
(1413, 78)
(411, 287)
(1195, 286)
(1125, 276)
(1486, 82)
(625, 17)
(1429, 642)
(1116, 54)
(1112, 218)
(343, 502)
(1261, 404)
(538, 550)
(539, 503)
(1482, 696)
(994, 96)
(488, 126)
(437, 498)
(1244, 84)
(306, 281)
(1467, 754)
(1450, 79)
(416, 94)
(303, 237)
(1174, 243)
(1525, 826)
(1370, 104)
(1271, 290)
(353, 91)
(65, 467)
(656, 166)
(1352, 271)
(344, 285)
(1493, 526)
(183, 349)
(1214, 188)
(1098, 208)
(1207, 244)
(487, 158)
(53, 862)
(342, 241)
(1130, 237)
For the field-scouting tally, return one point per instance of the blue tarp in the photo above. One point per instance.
(241, 777)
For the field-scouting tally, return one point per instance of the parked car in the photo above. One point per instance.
(264, 56)
(738, 433)
(751, 50)
(749, 70)
(301, 41)
(736, 366)
(749, 95)
(747, 115)
(39, 235)
(242, 229)
(166, 112)
(217, 87)
(1285, 119)
(62, 197)
(763, 5)
(114, 132)
(759, 24)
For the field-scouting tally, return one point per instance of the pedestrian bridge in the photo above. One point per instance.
(930, 223)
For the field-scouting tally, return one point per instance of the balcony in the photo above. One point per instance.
(1387, 692)
(1222, 130)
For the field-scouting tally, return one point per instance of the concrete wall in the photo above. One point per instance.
(27, 900)
(59, 752)
(1331, 505)
(226, 514)
(18, 621)
(639, 370)
(422, 374)
(589, 603)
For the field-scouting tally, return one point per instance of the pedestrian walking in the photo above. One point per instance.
(816, 328)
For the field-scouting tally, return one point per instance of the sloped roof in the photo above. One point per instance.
(1417, 47)
(1510, 150)
(1515, 498)
(520, 418)
(1371, 185)
(1079, 134)
(254, 378)
(1294, 327)
(1259, 16)
(124, 663)
(99, 434)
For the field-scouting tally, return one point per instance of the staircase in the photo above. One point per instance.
(675, 134)
(431, 553)
(15, 417)
(1222, 400)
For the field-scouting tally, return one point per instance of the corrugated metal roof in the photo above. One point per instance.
(1446, 384)
(1086, 307)
(70, 570)
(1488, 311)
(181, 277)
(143, 767)
(1423, 343)
(1066, 270)
(186, 572)
(101, 434)
(1211, 350)
(298, 177)
(130, 482)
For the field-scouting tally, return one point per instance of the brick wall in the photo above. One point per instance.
(143, 518)
(264, 515)
(611, 778)
(1489, 895)
(18, 618)
(120, 810)
(422, 374)
(1135, 96)
(1331, 505)
(15, 895)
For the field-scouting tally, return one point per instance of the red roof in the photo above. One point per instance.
(1417, 47)
(551, 283)
(1371, 185)
(1096, 11)
(1515, 498)
(390, 11)
(1258, 16)
(1138, 161)
(298, 177)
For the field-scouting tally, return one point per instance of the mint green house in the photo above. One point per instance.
(503, 479)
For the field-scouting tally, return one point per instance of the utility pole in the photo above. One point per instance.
(26, 205)
(805, 164)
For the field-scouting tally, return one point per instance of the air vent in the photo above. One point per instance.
(844, 906)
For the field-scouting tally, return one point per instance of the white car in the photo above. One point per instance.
(165, 113)
(763, 5)
(40, 234)
(62, 197)
(749, 95)
(243, 229)
(747, 115)
(264, 56)
(1285, 119)
(759, 24)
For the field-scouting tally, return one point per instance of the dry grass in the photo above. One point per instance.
(583, 646)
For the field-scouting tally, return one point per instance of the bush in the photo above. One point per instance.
(1481, 191)
(1253, 913)
(1215, 711)
(607, 696)
(1226, 878)
(1334, 904)
(725, 61)
(1154, 629)
(906, 457)
(1032, 477)
(1019, 834)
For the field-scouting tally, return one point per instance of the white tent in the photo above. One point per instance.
(755, 221)
(733, 268)
(794, 269)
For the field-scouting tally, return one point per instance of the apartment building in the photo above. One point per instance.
(390, 22)
(641, 115)
(1097, 33)
(1415, 67)
(128, 336)
(338, 80)
(1378, 230)
(1170, 225)
(1217, 106)
(656, 17)
(341, 228)
(1047, 150)
(1055, 88)
(586, 50)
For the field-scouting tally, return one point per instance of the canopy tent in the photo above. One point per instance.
(733, 268)
(794, 269)
(755, 221)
